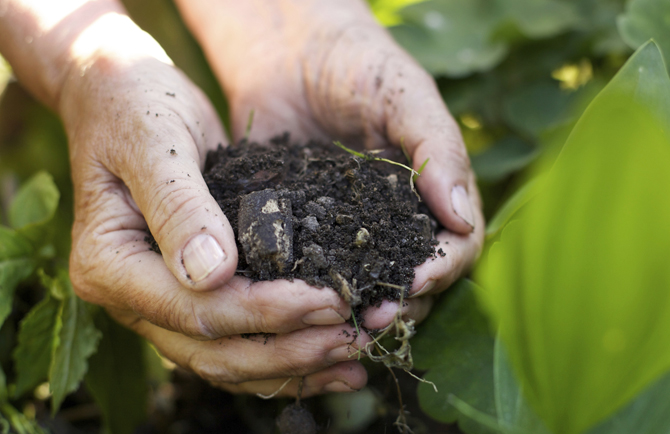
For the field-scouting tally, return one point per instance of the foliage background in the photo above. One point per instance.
(516, 74)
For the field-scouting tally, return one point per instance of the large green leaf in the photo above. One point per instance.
(32, 355)
(579, 283)
(514, 413)
(117, 376)
(509, 209)
(459, 37)
(648, 413)
(646, 19)
(16, 264)
(76, 340)
(462, 364)
(35, 202)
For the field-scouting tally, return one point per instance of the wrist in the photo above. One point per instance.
(106, 58)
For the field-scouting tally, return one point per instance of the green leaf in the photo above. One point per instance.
(541, 18)
(451, 37)
(76, 340)
(462, 365)
(59, 287)
(648, 413)
(524, 195)
(536, 107)
(502, 159)
(16, 265)
(459, 37)
(514, 414)
(32, 355)
(577, 283)
(387, 12)
(4, 396)
(35, 202)
(644, 20)
(117, 376)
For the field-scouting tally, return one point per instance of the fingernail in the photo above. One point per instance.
(427, 287)
(327, 316)
(343, 353)
(201, 256)
(460, 202)
(338, 387)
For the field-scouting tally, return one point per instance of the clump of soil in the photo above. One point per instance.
(295, 419)
(317, 213)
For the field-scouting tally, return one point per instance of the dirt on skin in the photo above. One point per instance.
(318, 213)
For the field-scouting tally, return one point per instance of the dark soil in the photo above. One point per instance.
(317, 213)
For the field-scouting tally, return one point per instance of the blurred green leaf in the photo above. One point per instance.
(459, 37)
(578, 285)
(463, 364)
(648, 413)
(353, 412)
(514, 414)
(32, 355)
(35, 202)
(451, 37)
(59, 287)
(16, 264)
(4, 396)
(117, 376)
(644, 20)
(541, 18)
(502, 159)
(76, 340)
(512, 206)
(34, 206)
(387, 12)
(536, 107)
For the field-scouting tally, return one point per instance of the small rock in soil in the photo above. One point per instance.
(265, 230)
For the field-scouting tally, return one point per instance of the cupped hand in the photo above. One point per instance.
(325, 69)
(139, 132)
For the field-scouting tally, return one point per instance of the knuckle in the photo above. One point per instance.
(180, 314)
(297, 359)
(207, 367)
(171, 207)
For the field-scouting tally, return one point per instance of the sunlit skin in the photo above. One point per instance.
(317, 68)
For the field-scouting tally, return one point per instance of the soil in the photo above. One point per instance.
(318, 213)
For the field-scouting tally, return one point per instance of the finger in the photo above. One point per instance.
(112, 265)
(237, 359)
(417, 117)
(380, 317)
(456, 253)
(343, 377)
(162, 138)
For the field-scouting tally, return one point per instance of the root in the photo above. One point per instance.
(260, 395)
(400, 358)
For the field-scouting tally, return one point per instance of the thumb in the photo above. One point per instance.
(195, 237)
(420, 120)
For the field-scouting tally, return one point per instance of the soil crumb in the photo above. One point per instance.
(317, 213)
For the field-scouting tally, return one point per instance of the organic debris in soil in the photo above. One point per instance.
(317, 213)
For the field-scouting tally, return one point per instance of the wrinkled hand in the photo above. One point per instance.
(325, 69)
(139, 132)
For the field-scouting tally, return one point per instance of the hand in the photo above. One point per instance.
(325, 69)
(138, 133)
